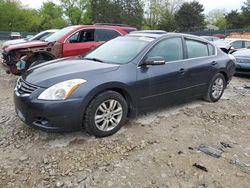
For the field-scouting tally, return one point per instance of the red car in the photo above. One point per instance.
(70, 41)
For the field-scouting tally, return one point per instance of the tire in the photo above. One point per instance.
(37, 59)
(37, 63)
(100, 119)
(216, 88)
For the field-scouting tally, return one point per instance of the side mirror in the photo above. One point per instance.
(154, 61)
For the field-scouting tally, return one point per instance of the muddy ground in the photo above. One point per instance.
(155, 150)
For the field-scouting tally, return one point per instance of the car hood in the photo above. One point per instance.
(30, 44)
(52, 72)
(11, 42)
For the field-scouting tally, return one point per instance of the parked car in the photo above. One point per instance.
(210, 38)
(243, 62)
(122, 77)
(230, 45)
(40, 36)
(221, 36)
(70, 41)
(15, 35)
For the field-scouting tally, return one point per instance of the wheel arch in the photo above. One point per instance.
(119, 88)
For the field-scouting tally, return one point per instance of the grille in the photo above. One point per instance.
(9, 57)
(25, 88)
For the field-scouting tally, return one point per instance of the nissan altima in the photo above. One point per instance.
(119, 79)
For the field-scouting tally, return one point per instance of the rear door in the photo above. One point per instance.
(80, 43)
(200, 65)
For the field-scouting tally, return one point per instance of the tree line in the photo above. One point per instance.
(169, 15)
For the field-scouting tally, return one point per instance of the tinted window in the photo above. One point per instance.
(196, 49)
(247, 44)
(86, 35)
(237, 44)
(169, 49)
(211, 49)
(106, 34)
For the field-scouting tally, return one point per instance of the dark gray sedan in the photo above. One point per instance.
(122, 77)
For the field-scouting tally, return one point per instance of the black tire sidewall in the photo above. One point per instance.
(37, 62)
(210, 96)
(91, 110)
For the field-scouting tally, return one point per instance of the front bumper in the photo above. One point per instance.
(51, 116)
(242, 69)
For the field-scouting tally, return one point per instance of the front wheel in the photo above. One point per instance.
(105, 114)
(216, 88)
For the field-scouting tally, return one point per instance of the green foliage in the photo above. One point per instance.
(239, 20)
(221, 22)
(118, 11)
(13, 17)
(169, 15)
(190, 17)
(75, 10)
(51, 15)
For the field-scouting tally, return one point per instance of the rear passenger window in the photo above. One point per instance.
(169, 49)
(106, 34)
(196, 49)
(211, 49)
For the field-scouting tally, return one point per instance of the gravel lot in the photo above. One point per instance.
(155, 150)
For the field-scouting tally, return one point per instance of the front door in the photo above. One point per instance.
(162, 84)
(80, 43)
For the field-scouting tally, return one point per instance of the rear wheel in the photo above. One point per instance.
(216, 88)
(106, 114)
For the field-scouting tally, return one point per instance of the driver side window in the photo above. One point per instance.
(169, 49)
(74, 38)
(87, 35)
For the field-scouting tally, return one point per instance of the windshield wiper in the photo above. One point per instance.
(93, 59)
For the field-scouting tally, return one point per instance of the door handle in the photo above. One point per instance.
(182, 71)
(214, 63)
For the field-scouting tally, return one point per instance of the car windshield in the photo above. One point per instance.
(120, 50)
(59, 34)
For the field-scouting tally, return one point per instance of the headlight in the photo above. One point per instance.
(62, 90)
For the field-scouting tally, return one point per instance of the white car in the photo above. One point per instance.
(40, 36)
(232, 44)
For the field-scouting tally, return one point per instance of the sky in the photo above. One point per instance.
(208, 4)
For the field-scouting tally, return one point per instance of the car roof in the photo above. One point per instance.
(150, 31)
(52, 30)
(102, 26)
(155, 36)
(235, 39)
